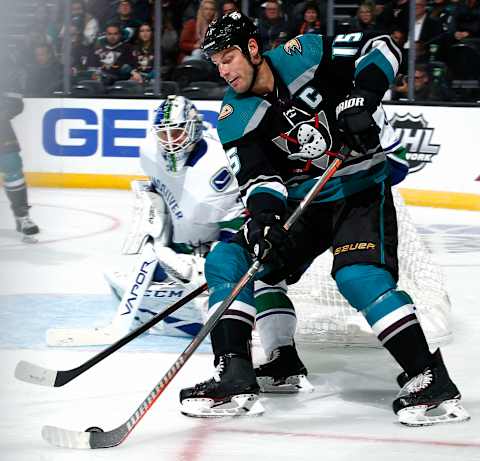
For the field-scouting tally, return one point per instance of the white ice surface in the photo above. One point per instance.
(348, 417)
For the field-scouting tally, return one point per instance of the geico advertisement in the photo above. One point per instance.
(105, 136)
(91, 136)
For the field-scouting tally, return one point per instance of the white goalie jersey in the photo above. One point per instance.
(202, 199)
(185, 212)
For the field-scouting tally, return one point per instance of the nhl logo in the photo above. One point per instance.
(416, 137)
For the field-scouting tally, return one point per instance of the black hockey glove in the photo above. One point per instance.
(355, 122)
(265, 236)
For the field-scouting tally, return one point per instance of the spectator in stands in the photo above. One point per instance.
(112, 58)
(143, 55)
(312, 23)
(104, 10)
(229, 6)
(81, 53)
(143, 10)
(183, 9)
(296, 10)
(126, 19)
(427, 29)
(442, 10)
(169, 43)
(194, 30)
(84, 22)
(425, 88)
(399, 36)
(45, 75)
(383, 15)
(364, 20)
(272, 27)
(466, 20)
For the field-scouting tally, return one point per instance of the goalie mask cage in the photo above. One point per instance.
(325, 317)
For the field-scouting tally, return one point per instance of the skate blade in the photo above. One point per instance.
(291, 385)
(422, 415)
(239, 405)
(29, 239)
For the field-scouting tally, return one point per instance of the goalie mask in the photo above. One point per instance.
(178, 127)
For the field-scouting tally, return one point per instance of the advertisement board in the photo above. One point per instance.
(103, 137)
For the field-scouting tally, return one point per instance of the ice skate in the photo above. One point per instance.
(233, 391)
(402, 379)
(430, 398)
(27, 228)
(284, 373)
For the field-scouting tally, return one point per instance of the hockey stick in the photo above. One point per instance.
(126, 310)
(35, 374)
(76, 439)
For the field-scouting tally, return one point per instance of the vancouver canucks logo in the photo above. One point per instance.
(293, 46)
(308, 139)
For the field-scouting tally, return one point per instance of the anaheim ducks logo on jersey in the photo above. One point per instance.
(308, 139)
(226, 111)
(293, 46)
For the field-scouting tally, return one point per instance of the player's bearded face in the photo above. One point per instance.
(234, 68)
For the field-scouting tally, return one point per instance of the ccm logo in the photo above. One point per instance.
(164, 293)
(354, 246)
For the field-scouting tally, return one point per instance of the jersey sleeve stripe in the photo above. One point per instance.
(383, 59)
(277, 190)
(259, 180)
(257, 117)
(302, 80)
(384, 40)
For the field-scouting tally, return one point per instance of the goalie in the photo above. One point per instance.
(191, 201)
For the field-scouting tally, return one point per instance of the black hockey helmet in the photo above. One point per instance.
(233, 29)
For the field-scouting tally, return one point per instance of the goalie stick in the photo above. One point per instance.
(76, 439)
(35, 374)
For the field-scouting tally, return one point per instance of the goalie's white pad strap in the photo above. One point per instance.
(150, 217)
(181, 267)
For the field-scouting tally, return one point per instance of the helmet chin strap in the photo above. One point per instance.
(255, 71)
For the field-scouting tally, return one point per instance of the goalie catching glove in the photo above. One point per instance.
(355, 121)
(265, 236)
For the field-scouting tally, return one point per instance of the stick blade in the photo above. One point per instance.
(72, 337)
(35, 374)
(66, 438)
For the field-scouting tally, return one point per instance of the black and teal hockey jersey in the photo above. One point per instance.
(277, 143)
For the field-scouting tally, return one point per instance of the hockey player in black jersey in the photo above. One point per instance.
(284, 114)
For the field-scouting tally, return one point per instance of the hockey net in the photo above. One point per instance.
(325, 317)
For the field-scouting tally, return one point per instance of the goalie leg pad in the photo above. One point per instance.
(186, 322)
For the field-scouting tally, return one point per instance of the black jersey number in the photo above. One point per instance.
(346, 45)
